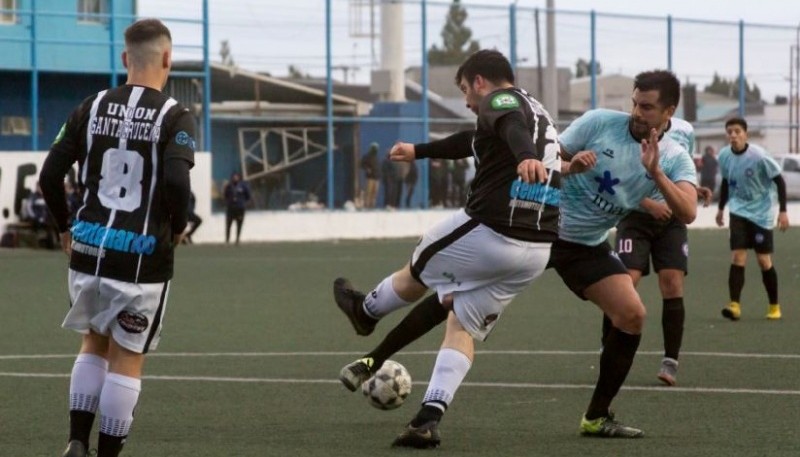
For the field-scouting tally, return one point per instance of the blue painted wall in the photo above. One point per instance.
(87, 49)
(59, 94)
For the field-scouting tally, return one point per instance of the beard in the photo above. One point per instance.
(639, 129)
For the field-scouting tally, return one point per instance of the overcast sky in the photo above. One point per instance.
(270, 35)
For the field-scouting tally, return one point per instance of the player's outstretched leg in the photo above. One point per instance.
(351, 302)
(425, 316)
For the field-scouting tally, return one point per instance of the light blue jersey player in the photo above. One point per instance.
(612, 161)
(594, 201)
(651, 235)
(751, 191)
(748, 175)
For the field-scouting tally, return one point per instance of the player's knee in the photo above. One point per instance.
(631, 319)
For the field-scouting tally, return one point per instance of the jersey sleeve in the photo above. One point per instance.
(180, 141)
(575, 138)
(495, 106)
(64, 152)
(682, 168)
(771, 167)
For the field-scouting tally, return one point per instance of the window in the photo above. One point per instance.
(790, 165)
(91, 11)
(8, 15)
(17, 125)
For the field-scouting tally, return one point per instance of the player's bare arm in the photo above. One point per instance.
(681, 197)
(580, 162)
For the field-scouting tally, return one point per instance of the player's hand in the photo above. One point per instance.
(650, 153)
(783, 221)
(705, 194)
(720, 220)
(66, 242)
(582, 161)
(532, 170)
(660, 211)
(402, 152)
(177, 240)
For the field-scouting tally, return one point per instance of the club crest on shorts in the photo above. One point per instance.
(132, 322)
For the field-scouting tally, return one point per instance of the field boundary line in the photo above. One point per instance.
(350, 353)
(503, 385)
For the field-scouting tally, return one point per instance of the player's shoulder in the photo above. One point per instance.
(681, 125)
(757, 149)
(605, 116)
(503, 100)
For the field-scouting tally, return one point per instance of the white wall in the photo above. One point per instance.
(263, 226)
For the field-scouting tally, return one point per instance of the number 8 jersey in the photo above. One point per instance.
(122, 138)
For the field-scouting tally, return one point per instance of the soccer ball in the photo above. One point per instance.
(389, 387)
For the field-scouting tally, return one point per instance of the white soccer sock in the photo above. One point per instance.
(383, 300)
(117, 402)
(88, 375)
(448, 373)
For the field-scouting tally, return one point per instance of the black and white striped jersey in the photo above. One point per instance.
(511, 127)
(130, 143)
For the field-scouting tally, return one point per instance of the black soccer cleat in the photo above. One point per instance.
(75, 449)
(426, 436)
(349, 300)
(356, 373)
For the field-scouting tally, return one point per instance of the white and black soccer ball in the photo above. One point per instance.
(389, 387)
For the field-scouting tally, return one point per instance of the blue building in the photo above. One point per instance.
(55, 53)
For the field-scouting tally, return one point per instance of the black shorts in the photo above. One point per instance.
(640, 236)
(580, 266)
(747, 235)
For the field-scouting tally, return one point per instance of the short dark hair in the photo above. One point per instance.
(145, 30)
(490, 64)
(664, 81)
(736, 121)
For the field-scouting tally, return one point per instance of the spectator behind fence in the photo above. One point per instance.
(237, 194)
(36, 213)
(708, 172)
(372, 173)
(193, 220)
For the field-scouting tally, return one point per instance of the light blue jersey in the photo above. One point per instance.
(683, 134)
(751, 191)
(594, 201)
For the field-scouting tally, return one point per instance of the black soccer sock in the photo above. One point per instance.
(80, 426)
(109, 445)
(673, 314)
(615, 363)
(735, 282)
(426, 414)
(607, 326)
(770, 279)
(420, 320)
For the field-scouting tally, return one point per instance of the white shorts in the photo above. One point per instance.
(481, 268)
(130, 313)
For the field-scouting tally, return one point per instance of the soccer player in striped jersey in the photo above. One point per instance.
(134, 146)
(481, 257)
(748, 175)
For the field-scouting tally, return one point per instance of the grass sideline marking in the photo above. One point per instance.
(501, 385)
(347, 353)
